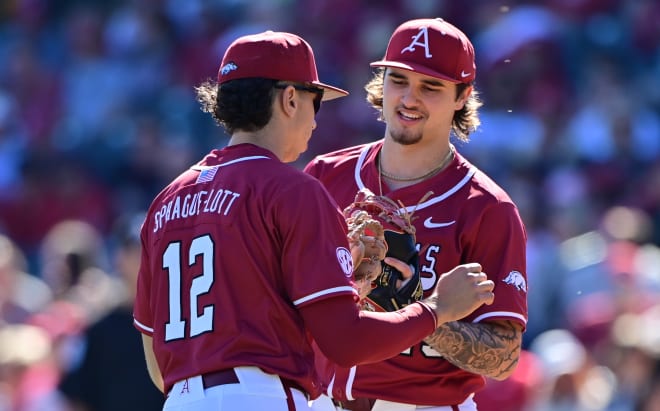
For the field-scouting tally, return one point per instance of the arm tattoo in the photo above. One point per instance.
(491, 349)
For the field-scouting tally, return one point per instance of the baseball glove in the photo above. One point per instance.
(366, 237)
(379, 227)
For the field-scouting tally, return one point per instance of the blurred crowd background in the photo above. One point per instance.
(97, 114)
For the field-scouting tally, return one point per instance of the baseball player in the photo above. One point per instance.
(423, 89)
(245, 259)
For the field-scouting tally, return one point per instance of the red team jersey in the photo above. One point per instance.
(230, 250)
(469, 218)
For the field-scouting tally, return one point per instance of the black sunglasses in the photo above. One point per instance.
(318, 91)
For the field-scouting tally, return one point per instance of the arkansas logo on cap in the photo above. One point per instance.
(432, 47)
(419, 40)
(228, 68)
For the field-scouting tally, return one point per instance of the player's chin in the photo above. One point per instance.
(406, 136)
(293, 156)
(303, 147)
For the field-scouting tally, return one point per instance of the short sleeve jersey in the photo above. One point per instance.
(231, 248)
(467, 218)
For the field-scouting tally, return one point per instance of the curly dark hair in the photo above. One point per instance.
(465, 120)
(243, 104)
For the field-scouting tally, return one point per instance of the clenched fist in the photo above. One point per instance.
(459, 292)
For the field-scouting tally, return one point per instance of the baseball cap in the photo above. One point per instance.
(432, 47)
(274, 55)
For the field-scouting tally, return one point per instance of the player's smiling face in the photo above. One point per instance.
(417, 106)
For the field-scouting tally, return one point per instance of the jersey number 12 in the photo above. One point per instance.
(201, 284)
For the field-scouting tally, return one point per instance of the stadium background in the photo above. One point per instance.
(97, 113)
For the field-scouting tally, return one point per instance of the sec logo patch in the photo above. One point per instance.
(345, 260)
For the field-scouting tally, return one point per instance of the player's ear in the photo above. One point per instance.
(463, 98)
(287, 100)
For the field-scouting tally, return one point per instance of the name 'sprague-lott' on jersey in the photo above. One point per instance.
(238, 215)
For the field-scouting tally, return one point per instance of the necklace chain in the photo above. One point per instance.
(443, 163)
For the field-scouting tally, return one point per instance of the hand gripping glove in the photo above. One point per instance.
(398, 234)
(368, 248)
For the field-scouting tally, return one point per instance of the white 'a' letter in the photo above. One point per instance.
(422, 40)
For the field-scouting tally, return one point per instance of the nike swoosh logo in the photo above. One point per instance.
(429, 224)
(464, 74)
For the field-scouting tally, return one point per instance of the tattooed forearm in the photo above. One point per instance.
(490, 349)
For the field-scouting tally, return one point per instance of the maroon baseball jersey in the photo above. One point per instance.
(468, 218)
(231, 249)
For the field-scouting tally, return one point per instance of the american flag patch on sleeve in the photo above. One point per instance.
(206, 174)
